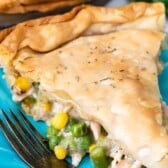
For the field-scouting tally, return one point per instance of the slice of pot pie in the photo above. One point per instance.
(22, 6)
(91, 74)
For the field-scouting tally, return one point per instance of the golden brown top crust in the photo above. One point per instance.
(113, 79)
(110, 79)
(22, 6)
(48, 33)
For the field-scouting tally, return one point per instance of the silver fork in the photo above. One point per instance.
(28, 142)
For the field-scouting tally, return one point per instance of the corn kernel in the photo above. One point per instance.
(47, 106)
(22, 83)
(60, 152)
(60, 120)
(92, 147)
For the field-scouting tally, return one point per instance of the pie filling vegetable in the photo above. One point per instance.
(93, 82)
(67, 133)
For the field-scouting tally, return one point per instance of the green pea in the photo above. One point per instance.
(79, 129)
(30, 100)
(84, 142)
(98, 157)
(72, 121)
(36, 86)
(51, 131)
(53, 141)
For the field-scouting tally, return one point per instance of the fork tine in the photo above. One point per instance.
(20, 138)
(12, 129)
(34, 132)
(30, 137)
(16, 145)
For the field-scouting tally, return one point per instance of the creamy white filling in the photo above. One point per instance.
(59, 107)
(113, 149)
(76, 158)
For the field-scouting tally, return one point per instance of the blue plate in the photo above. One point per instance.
(8, 157)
